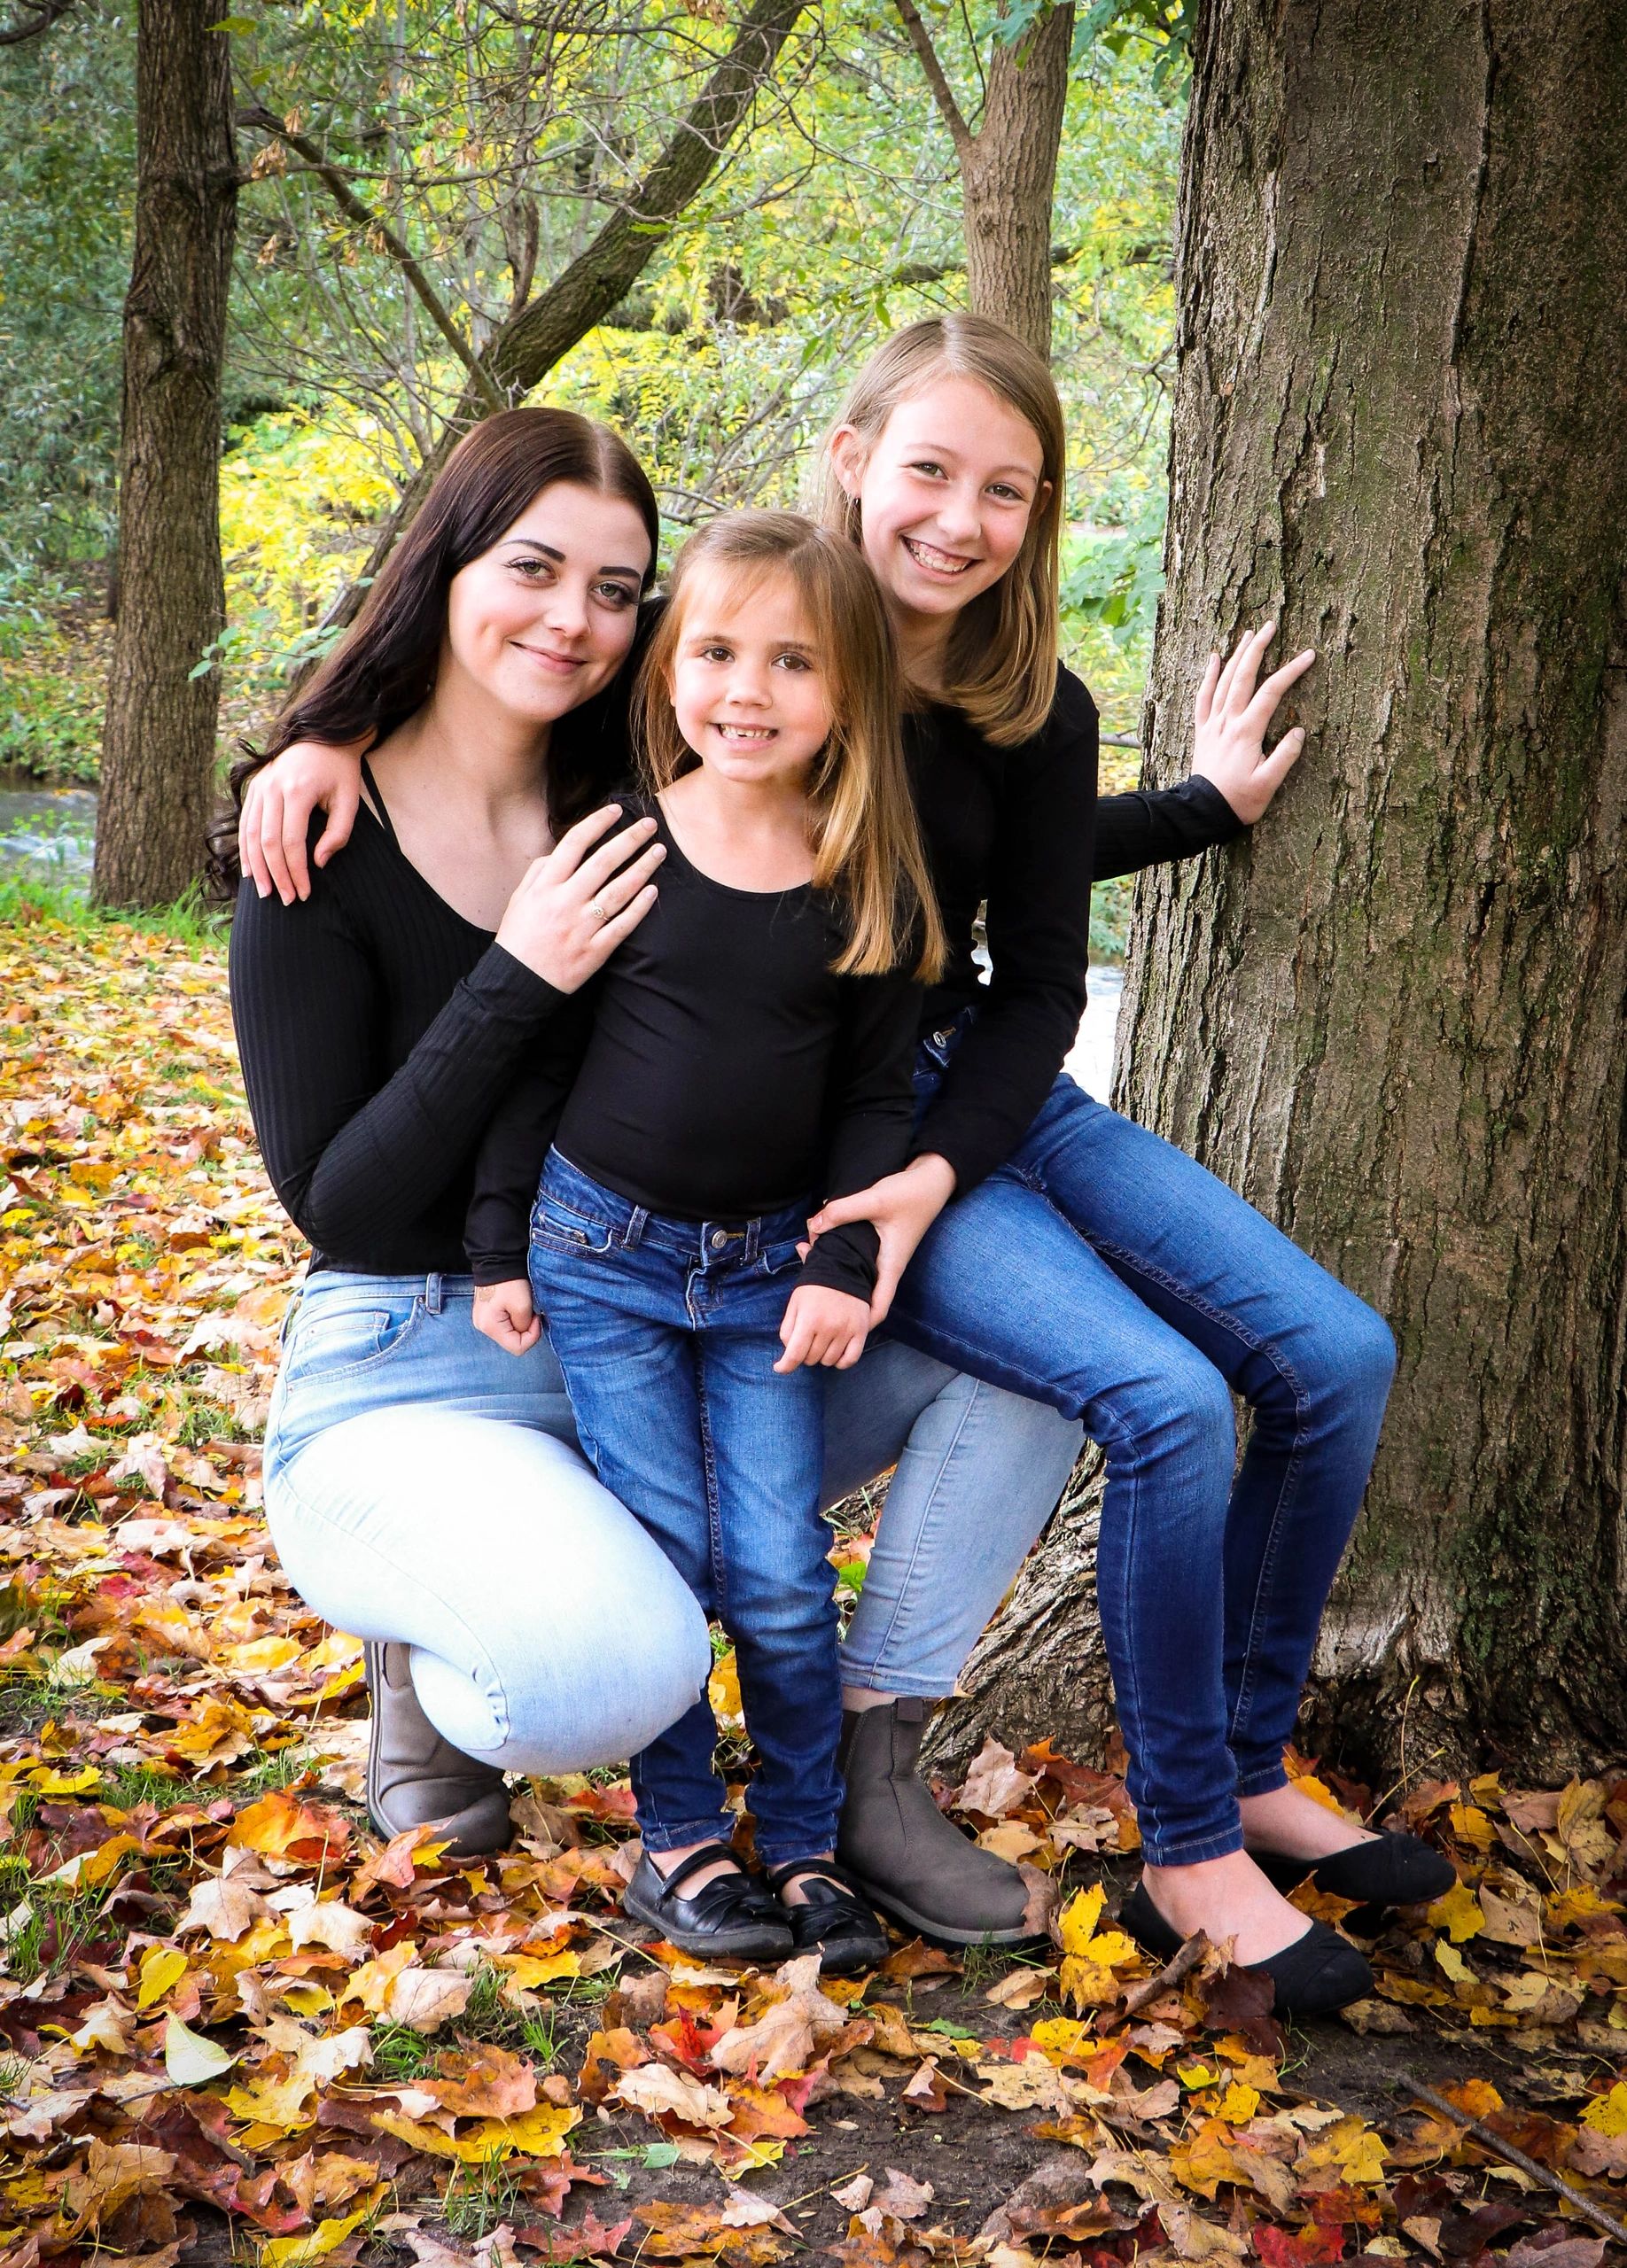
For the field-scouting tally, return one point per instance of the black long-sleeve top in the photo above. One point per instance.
(378, 1029)
(1019, 832)
(715, 1069)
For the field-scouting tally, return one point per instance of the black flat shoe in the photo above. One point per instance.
(732, 1915)
(1392, 1870)
(1319, 1972)
(834, 1920)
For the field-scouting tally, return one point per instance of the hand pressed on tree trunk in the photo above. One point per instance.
(1232, 719)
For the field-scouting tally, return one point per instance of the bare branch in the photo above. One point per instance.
(38, 16)
(532, 341)
(943, 93)
(380, 233)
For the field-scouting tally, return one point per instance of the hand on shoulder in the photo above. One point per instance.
(274, 825)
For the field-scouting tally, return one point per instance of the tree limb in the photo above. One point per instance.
(541, 333)
(943, 93)
(381, 233)
(38, 16)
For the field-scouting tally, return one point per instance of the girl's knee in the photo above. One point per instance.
(1351, 1351)
(1180, 1411)
(598, 1690)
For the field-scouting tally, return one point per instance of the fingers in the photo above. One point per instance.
(1260, 711)
(1281, 760)
(250, 856)
(612, 932)
(840, 1210)
(1206, 691)
(1250, 654)
(620, 889)
(594, 872)
(272, 825)
(797, 1337)
(341, 818)
(575, 843)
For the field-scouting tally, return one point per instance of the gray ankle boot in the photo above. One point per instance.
(414, 1775)
(900, 1849)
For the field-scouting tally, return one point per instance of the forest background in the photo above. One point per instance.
(835, 217)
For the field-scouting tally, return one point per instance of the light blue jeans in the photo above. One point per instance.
(423, 1485)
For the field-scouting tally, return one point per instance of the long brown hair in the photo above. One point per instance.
(866, 845)
(1001, 662)
(384, 669)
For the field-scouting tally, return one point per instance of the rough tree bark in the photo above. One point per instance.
(1393, 1018)
(157, 750)
(1008, 167)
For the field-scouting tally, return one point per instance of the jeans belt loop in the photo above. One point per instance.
(633, 1235)
(753, 1242)
(432, 1293)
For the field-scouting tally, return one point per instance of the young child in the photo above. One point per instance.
(744, 1054)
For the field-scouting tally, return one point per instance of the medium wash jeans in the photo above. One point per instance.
(425, 1486)
(668, 1332)
(1104, 1272)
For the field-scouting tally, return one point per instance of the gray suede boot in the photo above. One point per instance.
(900, 1849)
(414, 1775)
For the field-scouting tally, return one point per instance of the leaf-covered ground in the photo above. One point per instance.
(236, 2026)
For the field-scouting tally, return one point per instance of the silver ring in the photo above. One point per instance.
(598, 909)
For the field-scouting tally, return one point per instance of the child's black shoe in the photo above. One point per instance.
(831, 1919)
(731, 1915)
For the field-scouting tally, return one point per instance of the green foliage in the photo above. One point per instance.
(51, 690)
(66, 183)
(479, 2197)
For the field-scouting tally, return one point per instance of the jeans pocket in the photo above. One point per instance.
(560, 1228)
(774, 1259)
(328, 1343)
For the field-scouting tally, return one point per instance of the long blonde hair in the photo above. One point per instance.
(1001, 661)
(866, 845)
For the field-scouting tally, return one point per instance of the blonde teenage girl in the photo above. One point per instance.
(746, 1050)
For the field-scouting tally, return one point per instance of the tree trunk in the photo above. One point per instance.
(1007, 177)
(1393, 1018)
(157, 755)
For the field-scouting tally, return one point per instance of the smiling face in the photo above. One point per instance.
(946, 492)
(750, 687)
(543, 619)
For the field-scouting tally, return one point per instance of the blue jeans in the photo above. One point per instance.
(1106, 1272)
(668, 1332)
(423, 1485)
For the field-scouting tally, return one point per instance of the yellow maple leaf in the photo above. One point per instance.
(1237, 2105)
(326, 2237)
(1607, 2113)
(1060, 2036)
(538, 2134)
(162, 1967)
(1079, 1918)
(1458, 1913)
(530, 1969)
(1453, 1963)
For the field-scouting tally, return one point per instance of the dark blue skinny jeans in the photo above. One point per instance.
(668, 1332)
(1104, 1272)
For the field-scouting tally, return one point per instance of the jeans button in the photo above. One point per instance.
(719, 1238)
(941, 1039)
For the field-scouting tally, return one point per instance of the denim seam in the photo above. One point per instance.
(658, 1837)
(350, 1369)
(314, 1511)
(1191, 1854)
(708, 1460)
(1268, 1557)
(1262, 1783)
(934, 1495)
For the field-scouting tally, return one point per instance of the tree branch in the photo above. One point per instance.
(541, 334)
(943, 93)
(379, 232)
(38, 16)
